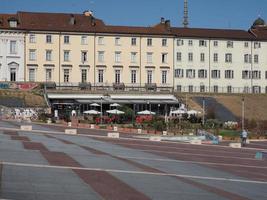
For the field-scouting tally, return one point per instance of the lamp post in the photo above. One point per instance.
(243, 113)
(203, 117)
(101, 109)
(158, 108)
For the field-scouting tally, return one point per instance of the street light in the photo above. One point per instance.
(243, 113)
(158, 108)
(203, 117)
(101, 114)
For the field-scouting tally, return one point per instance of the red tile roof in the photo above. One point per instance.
(60, 22)
(212, 33)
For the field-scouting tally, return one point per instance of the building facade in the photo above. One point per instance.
(70, 49)
(11, 51)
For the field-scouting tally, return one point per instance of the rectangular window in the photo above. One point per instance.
(84, 56)
(117, 41)
(149, 42)
(190, 88)
(215, 89)
(66, 73)
(32, 54)
(179, 42)
(190, 73)
(202, 73)
(164, 76)
(101, 56)
(215, 74)
(48, 75)
(133, 41)
(246, 74)
(202, 43)
(256, 74)
(179, 73)
(66, 56)
(66, 39)
(257, 45)
(202, 57)
(49, 39)
(230, 44)
(228, 58)
(149, 76)
(229, 74)
(164, 42)
(247, 58)
(229, 89)
(84, 75)
(215, 43)
(48, 55)
(265, 74)
(32, 38)
(117, 76)
(256, 58)
(133, 57)
(190, 57)
(100, 40)
(215, 57)
(179, 88)
(84, 40)
(13, 47)
(149, 57)
(100, 76)
(179, 56)
(190, 42)
(246, 44)
(164, 57)
(117, 57)
(133, 76)
(31, 75)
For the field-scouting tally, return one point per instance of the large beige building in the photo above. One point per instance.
(70, 49)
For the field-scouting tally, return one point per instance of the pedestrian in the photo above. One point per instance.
(244, 136)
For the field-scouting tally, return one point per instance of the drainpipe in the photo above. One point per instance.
(94, 59)
(59, 58)
(140, 55)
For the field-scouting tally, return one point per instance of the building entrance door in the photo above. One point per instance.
(13, 72)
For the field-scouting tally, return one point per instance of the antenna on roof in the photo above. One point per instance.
(185, 22)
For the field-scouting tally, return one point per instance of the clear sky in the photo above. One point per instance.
(237, 14)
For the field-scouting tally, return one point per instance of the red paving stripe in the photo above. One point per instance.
(109, 187)
(21, 138)
(217, 191)
(106, 185)
(11, 133)
(34, 146)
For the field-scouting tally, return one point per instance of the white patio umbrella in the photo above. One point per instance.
(193, 112)
(146, 112)
(95, 105)
(92, 112)
(115, 105)
(115, 112)
(178, 112)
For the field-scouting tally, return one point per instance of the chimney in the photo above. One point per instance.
(162, 20)
(72, 19)
(168, 24)
(88, 13)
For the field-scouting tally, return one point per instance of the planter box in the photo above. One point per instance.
(235, 145)
(113, 135)
(71, 131)
(26, 128)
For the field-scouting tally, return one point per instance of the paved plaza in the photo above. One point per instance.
(47, 164)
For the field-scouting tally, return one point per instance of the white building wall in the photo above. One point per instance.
(237, 84)
(10, 60)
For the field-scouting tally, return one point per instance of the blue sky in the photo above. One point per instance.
(238, 14)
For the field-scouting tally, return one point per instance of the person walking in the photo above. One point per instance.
(244, 136)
